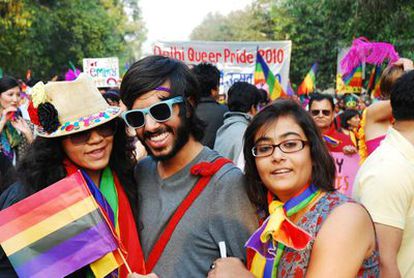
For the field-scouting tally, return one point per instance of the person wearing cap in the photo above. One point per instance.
(191, 197)
(77, 130)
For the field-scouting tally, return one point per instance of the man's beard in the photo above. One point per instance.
(181, 138)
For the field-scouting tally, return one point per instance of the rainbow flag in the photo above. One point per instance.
(373, 84)
(353, 81)
(56, 231)
(330, 140)
(308, 84)
(263, 74)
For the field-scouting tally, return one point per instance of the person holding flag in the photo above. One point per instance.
(78, 131)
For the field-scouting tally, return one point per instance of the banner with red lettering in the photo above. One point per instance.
(235, 60)
(346, 169)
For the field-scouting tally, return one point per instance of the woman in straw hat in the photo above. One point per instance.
(77, 130)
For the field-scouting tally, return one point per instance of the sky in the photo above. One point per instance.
(173, 20)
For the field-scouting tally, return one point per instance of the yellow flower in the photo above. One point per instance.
(38, 94)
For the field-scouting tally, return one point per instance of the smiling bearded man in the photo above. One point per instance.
(191, 197)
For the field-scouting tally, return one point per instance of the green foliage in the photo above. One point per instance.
(45, 35)
(317, 28)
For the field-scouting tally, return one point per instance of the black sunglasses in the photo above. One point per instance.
(325, 112)
(105, 130)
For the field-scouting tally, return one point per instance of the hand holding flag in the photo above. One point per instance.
(58, 230)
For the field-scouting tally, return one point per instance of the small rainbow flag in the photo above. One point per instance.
(263, 74)
(308, 84)
(354, 79)
(373, 84)
(330, 140)
(56, 231)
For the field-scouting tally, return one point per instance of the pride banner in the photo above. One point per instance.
(346, 169)
(56, 231)
(235, 60)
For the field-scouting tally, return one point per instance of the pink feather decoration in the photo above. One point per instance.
(362, 50)
(72, 75)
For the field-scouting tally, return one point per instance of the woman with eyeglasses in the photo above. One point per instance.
(78, 130)
(308, 228)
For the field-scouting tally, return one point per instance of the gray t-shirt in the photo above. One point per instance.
(222, 212)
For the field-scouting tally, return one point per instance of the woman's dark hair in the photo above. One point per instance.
(43, 163)
(151, 72)
(346, 116)
(7, 83)
(7, 173)
(323, 166)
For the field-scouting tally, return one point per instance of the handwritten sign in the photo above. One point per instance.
(346, 169)
(235, 60)
(104, 71)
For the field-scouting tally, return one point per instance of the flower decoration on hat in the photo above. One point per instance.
(38, 94)
(41, 111)
(48, 117)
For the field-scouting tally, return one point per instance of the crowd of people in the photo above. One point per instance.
(181, 173)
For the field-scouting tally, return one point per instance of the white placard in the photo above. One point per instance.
(104, 71)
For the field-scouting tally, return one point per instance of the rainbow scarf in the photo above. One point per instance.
(112, 199)
(277, 232)
(9, 139)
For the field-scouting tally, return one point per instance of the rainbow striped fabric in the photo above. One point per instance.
(373, 84)
(263, 75)
(330, 140)
(56, 231)
(277, 232)
(308, 84)
(353, 80)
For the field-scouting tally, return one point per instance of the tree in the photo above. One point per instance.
(45, 35)
(318, 29)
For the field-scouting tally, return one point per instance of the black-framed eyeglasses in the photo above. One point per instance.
(104, 130)
(287, 146)
(160, 112)
(325, 112)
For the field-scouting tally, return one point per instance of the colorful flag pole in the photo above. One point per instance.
(308, 84)
(263, 74)
(58, 230)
